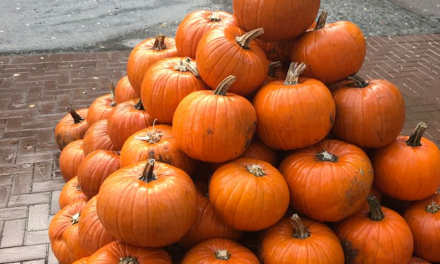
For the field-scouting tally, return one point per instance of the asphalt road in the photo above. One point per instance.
(41, 26)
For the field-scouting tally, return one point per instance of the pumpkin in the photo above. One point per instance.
(92, 235)
(296, 240)
(159, 204)
(95, 168)
(120, 253)
(101, 107)
(146, 54)
(71, 127)
(214, 126)
(248, 194)
(124, 91)
(276, 51)
(332, 51)
(126, 119)
(97, 137)
(219, 251)
(423, 220)
(328, 181)
(207, 225)
(166, 83)
(368, 114)
(281, 19)
(394, 204)
(71, 193)
(70, 158)
(416, 260)
(378, 235)
(231, 51)
(294, 114)
(409, 168)
(195, 25)
(82, 261)
(276, 72)
(155, 142)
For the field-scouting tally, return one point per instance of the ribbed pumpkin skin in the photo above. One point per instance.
(424, 226)
(124, 120)
(247, 202)
(95, 168)
(143, 56)
(225, 123)
(92, 235)
(416, 260)
(370, 117)
(97, 137)
(116, 251)
(100, 109)
(407, 173)
(324, 190)
(366, 241)
(124, 91)
(276, 16)
(194, 26)
(331, 53)
(205, 253)
(67, 131)
(71, 193)
(164, 87)
(165, 150)
(305, 110)
(278, 246)
(219, 55)
(70, 158)
(153, 214)
(82, 261)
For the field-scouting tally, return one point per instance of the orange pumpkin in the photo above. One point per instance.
(416, 260)
(101, 107)
(97, 137)
(70, 158)
(276, 72)
(71, 193)
(124, 91)
(276, 51)
(82, 261)
(71, 127)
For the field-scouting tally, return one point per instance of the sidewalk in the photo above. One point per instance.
(35, 90)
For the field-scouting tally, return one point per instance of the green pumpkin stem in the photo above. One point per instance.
(326, 156)
(128, 260)
(223, 87)
(416, 137)
(159, 43)
(246, 39)
(433, 207)
(273, 67)
(139, 105)
(187, 65)
(358, 81)
(214, 17)
(76, 117)
(112, 93)
(153, 136)
(222, 254)
(295, 70)
(376, 213)
(75, 218)
(301, 231)
(148, 174)
(321, 20)
(256, 170)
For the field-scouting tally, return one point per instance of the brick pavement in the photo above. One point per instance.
(35, 90)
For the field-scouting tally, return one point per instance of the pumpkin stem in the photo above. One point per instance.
(222, 254)
(256, 170)
(321, 20)
(325, 156)
(75, 218)
(273, 67)
(433, 207)
(415, 139)
(187, 65)
(301, 231)
(246, 39)
(139, 105)
(376, 213)
(76, 117)
(159, 43)
(214, 17)
(358, 81)
(223, 87)
(293, 74)
(148, 174)
(128, 260)
(112, 92)
(152, 136)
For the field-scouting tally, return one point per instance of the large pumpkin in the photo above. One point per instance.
(146, 54)
(423, 218)
(147, 204)
(214, 126)
(378, 235)
(328, 181)
(332, 51)
(294, 114)
(155, 142)
(281, 19)
(71, 127)
(124, 91)
(71, 193)
(296, 240)
(409, 168)
(70, 158)
(166, 83)
(97, 137)
(231, 51)
(368, 114)
(101, 107)
(195, 25)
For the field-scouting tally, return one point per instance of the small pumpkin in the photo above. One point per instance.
(71, 193)
(101, 107)
(71, 127)
(70, 158)
(97, 137)
(124, 91)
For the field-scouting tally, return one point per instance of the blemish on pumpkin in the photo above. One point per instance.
(209, 131)
(165, 159)
(331, 118)
(151, 154)
(248, 142)
(356, 191)
(351, 253)
(361, 171)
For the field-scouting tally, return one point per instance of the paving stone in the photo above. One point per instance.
(37, 237)
(28, 199)
(12, 213)
(23, 253)
(13, 233)
(21, 183)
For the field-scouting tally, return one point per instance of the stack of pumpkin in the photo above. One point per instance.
(201, 149)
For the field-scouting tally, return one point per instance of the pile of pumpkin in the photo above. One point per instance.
(216, 148)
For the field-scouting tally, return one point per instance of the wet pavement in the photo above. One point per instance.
(99, 25)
